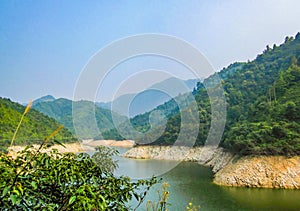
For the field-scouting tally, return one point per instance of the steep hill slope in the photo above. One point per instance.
(35, 126)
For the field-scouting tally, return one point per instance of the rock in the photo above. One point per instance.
(261, 171)
(212, 156)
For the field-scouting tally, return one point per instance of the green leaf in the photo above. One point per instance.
(13, 198)
(33, 184)
(72, 199)
(59, 143)
(136, 196)
(5, 191)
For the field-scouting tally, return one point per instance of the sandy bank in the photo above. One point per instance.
(110, 143)
(69, 147)
(87, 145)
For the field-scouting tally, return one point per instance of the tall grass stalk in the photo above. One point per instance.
(22, 117)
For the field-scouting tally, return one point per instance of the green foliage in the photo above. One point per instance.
(273, 124)
(35, 126)
(111, 134)
(104, 157)
(265, 138)
(40, 181)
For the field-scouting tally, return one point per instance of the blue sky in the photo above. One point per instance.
(45, 44)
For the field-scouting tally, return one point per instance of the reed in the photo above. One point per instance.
(20, 122)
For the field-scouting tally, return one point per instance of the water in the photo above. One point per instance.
(192, 182)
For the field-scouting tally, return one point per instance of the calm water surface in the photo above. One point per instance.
(192, 182)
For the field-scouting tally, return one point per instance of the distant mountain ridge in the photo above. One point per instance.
(150, 98)
(47, 98)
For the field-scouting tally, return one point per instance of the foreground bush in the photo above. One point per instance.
(35, 180)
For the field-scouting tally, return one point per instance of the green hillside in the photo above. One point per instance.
(272, 125)
(262, 105)
(35, 126)
(61, 111)
(259, 96)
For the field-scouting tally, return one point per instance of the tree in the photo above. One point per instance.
(35, 180)
(104, 157)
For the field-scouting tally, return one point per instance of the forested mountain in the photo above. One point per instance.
(257, 102)
(35, 126)
(61, 110)
(262, 104)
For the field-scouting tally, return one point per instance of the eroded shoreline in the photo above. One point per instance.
(229, 169)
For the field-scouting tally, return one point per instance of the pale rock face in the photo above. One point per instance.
(229, 169)
(262, 171)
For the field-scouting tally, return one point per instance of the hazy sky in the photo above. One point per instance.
(45, 44)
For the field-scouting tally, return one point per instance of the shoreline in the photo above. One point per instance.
(76, 147)
(229, 169)
(69, 147)
(109, 143)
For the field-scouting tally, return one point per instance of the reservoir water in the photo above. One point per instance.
(190, 182)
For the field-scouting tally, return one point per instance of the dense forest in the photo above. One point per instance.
(263, 105)
(61, 110)
(35, 126)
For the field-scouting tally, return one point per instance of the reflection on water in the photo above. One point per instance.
(266, 198)
(192, 182)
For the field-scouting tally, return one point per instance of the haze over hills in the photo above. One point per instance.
(35, 127)
(159, 93)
